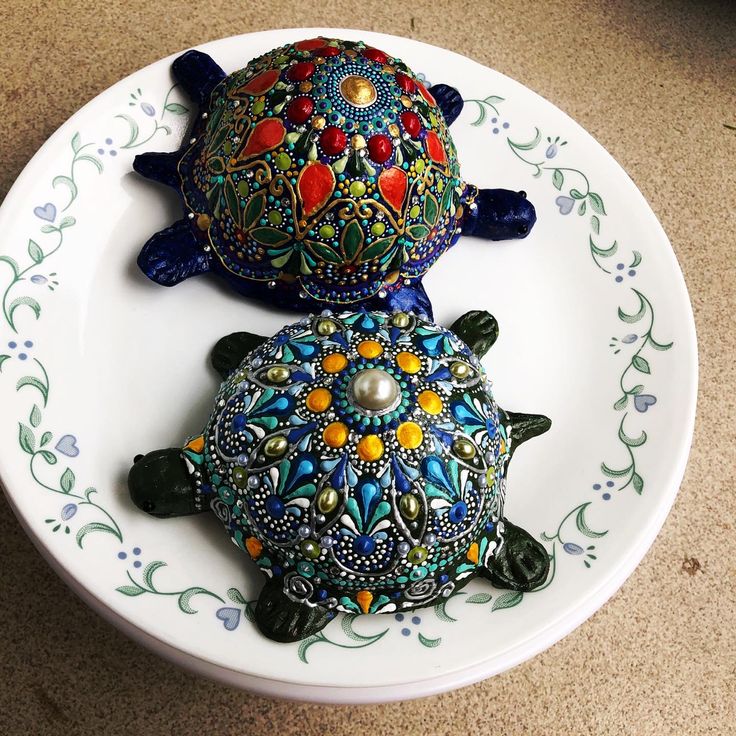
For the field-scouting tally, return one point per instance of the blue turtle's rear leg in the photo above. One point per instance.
(499, 214)
(160, 167)
(173, 254)
(449, 100)
(198, 74)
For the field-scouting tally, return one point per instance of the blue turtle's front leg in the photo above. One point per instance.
(410, 298)
(449, 100)
(499, 214)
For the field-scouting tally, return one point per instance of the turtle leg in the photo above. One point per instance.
(499, 214)
(160, 484)
(522, 563)
(173, 254)
(449, 100)
(230, 351)
(198, 74)
(284, 620)
(412, 298)
(161, 167)
(478, 329)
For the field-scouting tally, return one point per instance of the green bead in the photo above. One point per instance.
(326, 327)
(327, 500)
(277, 374)
(419, 165)
(409, 506)
(276, 446)
(414, 211)
(243, 188)
(378, 228)
(310, 549)
(460, 370)
(258, 107)
(400, 319)
(275, 218)
(282, 161)
(240, 477)
(357, 189)
(463, 449)
(326, 231)
(417, 555)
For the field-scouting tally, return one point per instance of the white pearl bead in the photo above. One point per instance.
(374, 390)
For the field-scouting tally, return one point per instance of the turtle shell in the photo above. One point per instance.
(327, 165)
(359, 457)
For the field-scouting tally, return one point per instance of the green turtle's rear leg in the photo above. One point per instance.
(522, 563)
(161, 485)
(230, 351)
(173, 254)
(478, 330)
(284, 620)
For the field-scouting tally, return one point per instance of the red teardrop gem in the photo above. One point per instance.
(406, 83)
(300, 71)
(300, 109)
(375, 55)
(425, 93)
(261, 83)
(309, 44)
(327, 51)
(412, 124)
(333, 140)
(315, 186)
(435, 149)
(265, 136)
(380, 148)
(392, 184)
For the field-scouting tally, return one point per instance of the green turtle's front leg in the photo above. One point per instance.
(283, 619)
(161, 484)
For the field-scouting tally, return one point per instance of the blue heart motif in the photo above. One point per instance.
(47, 212)
(67, 445)
(643, 401)
(565, 204)
(230, 617)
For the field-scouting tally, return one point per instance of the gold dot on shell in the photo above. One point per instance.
(358, 91)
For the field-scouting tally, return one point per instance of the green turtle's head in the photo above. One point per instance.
(160, 484)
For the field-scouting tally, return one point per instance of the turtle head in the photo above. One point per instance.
(161, 485)
(500, 214)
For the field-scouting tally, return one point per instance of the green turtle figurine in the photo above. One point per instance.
(323, 174)
(360, 460)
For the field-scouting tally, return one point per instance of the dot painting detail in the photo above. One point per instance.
(347, 459)
(325, 163)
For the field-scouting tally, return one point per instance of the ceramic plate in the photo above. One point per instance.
(98, 364)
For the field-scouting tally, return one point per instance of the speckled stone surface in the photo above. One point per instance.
(654, 83)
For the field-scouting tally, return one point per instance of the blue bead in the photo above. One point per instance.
(364, 545)
(458, 511)
(321, 594)
(276, 570)
(443, 579)
(239, 422)
(275, 507)
(489, 526)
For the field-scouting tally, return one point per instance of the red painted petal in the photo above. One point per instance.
(375, 55)
(435, 149)
(300, 71)
(267, 134)
(405, 82)
(315, 186)
(261, 83)
(425, 93)
(310, 44)
(392, 184)
(327, 51)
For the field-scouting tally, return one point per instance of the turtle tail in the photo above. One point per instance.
(160, 167)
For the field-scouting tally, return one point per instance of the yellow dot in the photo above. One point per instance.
(409, 362)
(370, 448)
(370, 349)
(335, 434)
(409, 435)
(430, 402)
(334, 363)
(319, 400)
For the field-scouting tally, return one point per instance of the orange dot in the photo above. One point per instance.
(254, 547)
(370, 448)
(409, 435)
(335, 434)
(334, 363)
(430, 402)
(319, 400)
(196, 444)
(409, 362)
(364, 598)
(370, 349)
(472, 553)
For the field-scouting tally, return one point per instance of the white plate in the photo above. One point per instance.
(111, 365)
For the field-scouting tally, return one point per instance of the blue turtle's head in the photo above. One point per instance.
(160, 484)
(500, 214)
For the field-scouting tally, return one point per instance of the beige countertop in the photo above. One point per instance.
(655, 83)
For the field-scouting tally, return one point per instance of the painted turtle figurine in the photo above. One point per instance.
(323, 174)
(360, 460)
